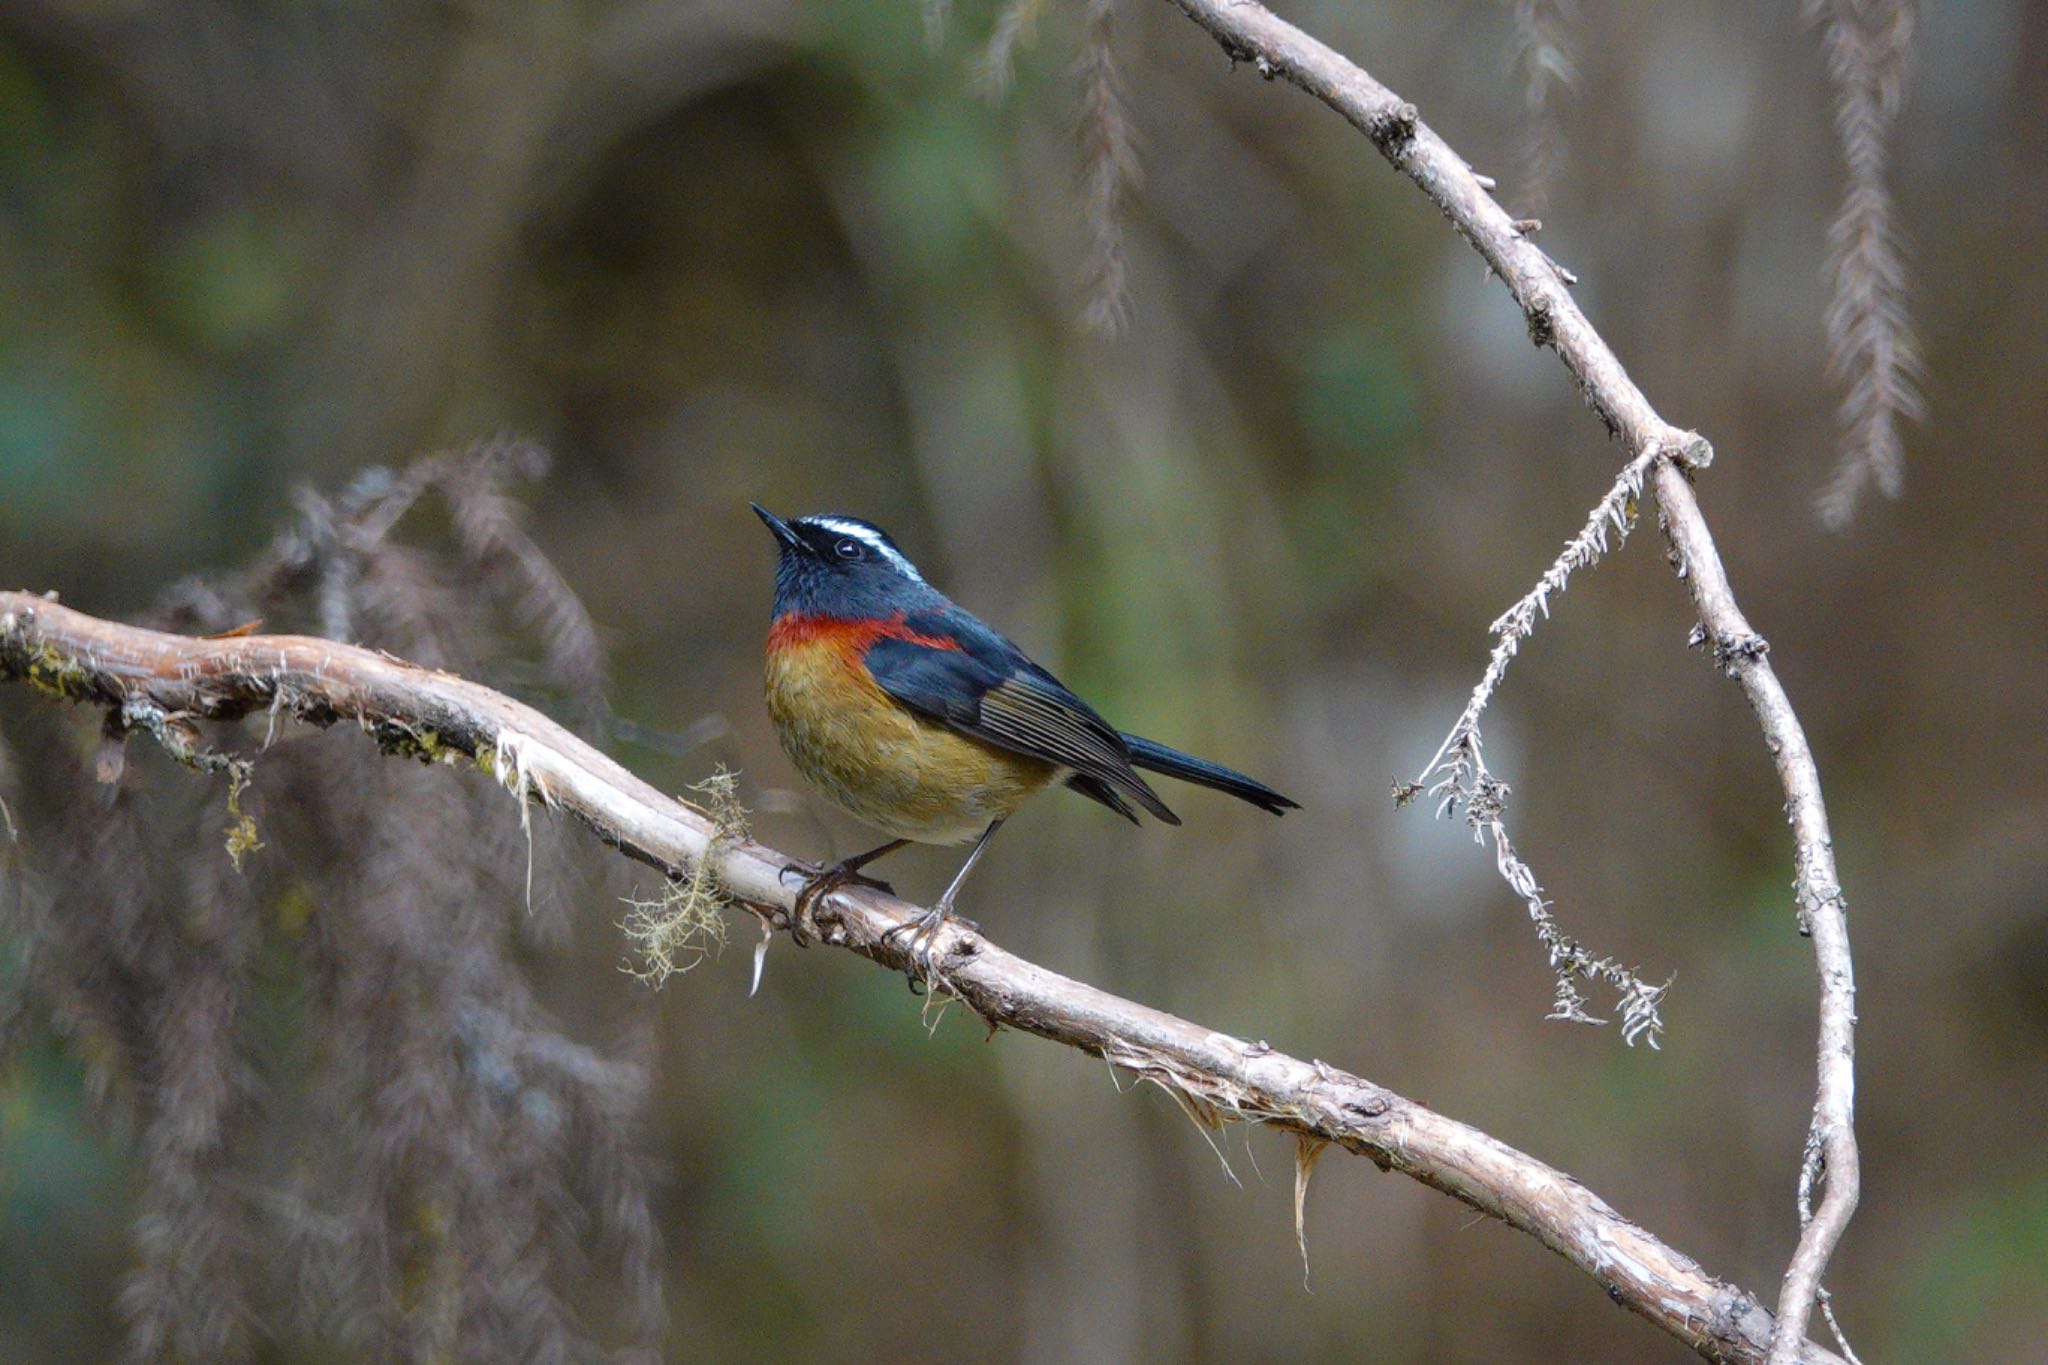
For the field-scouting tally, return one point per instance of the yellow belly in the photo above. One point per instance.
(909, 777)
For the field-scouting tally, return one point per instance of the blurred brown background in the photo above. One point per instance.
(743, 249)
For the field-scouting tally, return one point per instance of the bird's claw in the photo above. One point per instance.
(924, 936)
(803, 919)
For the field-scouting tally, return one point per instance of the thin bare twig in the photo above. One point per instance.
(414, 711)
(1250, 32)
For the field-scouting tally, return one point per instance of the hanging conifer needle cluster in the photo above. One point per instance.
(333, 1048)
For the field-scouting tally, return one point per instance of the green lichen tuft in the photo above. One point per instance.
(242, 840)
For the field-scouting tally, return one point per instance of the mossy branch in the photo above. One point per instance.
(437, 717)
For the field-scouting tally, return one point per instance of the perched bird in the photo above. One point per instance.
(920, 720)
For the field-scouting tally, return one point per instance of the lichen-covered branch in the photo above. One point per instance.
(1457, 774)
(1249, 32)
(439, 717)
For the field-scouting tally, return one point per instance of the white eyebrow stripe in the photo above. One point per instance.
(868, 536)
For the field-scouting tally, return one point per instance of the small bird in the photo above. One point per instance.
(915, 717)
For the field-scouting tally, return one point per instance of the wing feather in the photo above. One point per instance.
(1026, 711)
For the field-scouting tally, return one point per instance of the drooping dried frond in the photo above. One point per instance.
(10, 837)
(1307, 1151)
(1457, 774)
(490, 523)
(1544, 57)
(189, 1296)
(937, 14)
(434, 1164)
(1871, 345)
(339, 557)
(1013, 30)
(14, 913)
(1108, 142)
(1109, 147)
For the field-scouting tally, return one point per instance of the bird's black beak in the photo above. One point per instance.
(789, 539)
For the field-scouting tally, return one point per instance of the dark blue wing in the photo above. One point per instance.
(987, 688)
(945, 684)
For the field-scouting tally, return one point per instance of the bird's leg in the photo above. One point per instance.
(924, 930)
(803, 921)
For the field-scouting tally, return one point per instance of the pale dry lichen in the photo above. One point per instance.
(685, 924)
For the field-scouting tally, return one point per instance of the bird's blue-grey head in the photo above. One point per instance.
(837, 565)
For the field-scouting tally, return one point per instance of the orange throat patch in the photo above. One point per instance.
(794, 629)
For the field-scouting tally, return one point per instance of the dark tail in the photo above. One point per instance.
(1160, 759)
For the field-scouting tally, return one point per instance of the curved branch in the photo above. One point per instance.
(167, 683)
(1250, 32)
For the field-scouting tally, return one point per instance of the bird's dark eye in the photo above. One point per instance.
(847, 549)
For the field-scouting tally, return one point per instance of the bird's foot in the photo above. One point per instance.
(803, 919)
(924, 936)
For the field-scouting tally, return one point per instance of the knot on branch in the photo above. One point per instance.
(1393, 130)
(1358, 1100)
(1735, 1318)
(1235, 52)
(1688, 450)
(1341, 1107)
(1733, 650)
(1373, 1106)
(1815, 891)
